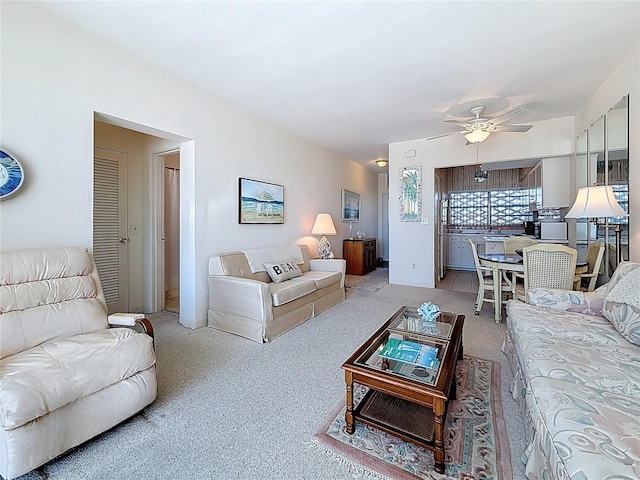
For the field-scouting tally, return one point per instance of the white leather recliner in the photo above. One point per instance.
(65, 375)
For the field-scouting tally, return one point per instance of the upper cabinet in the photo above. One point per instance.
(547, 184)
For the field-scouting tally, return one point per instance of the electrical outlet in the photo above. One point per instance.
(413, 265)
(425, 221)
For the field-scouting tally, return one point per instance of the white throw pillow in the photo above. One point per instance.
(283, 270)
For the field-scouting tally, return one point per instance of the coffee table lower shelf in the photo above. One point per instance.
(407, 420)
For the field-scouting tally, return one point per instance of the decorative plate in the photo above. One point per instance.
(11, 174)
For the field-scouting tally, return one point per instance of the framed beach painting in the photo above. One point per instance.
(350, 206)
(260, 202)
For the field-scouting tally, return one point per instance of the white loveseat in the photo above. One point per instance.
(244, 300)
(65, 375)
(576, 363)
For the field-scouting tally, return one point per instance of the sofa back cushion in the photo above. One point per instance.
(48, 294)
(622, 301)
(236, 264)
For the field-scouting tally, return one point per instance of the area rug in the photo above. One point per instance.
(371, 282)
(476, 445)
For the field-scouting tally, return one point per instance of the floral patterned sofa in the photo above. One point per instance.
(576, 363)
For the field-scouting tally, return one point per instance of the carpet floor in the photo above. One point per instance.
(475, 436)
(229, 408)
(371, 282)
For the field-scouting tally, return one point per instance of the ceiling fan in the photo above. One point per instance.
(479, 128)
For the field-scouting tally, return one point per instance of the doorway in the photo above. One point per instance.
(171, 232)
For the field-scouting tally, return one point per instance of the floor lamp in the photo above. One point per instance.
(599, 202)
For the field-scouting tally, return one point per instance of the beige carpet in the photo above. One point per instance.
(229, 408)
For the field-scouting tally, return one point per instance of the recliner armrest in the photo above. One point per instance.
(131, 320)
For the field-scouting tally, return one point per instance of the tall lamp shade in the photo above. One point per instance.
(598, 202)
(324, 226)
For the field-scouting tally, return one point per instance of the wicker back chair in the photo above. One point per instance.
(547, 265)
(512, 244)
(485, 282)
(595, 254)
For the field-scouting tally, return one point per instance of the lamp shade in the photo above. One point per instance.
(477, 136)
(596, 202)
(323, 225)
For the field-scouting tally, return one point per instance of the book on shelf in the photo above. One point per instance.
(410, 352)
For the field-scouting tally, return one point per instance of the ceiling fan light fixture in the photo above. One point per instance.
(477, 136)
(382, 163)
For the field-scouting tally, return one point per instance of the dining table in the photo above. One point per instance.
(505, 263)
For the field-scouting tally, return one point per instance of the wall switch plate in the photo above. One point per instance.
(409, 153)
(425, 221)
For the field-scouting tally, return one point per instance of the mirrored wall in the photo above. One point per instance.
(602, 158)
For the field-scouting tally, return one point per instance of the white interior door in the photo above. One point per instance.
(110, 241)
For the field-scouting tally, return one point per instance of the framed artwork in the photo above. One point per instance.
(260, 202)
(350, 206)
(410, 194)
(11, 174)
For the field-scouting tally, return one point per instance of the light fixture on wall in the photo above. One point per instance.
(480, 175)
(598, 202)
(477, 136)
(324, 226)
(382, 163)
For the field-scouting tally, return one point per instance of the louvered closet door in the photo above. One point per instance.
(110, 241)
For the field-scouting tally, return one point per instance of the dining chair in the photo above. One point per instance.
(485, 282)
(547, 265)
(587, 281)
(512, 244)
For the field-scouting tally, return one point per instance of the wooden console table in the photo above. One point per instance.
(360, 255)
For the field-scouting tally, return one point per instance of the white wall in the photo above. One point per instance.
(624, 80)
(54, 77)
(412, 243)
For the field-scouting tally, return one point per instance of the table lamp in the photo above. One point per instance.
(324, 226)
(598, 202)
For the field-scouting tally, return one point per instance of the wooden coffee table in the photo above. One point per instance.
(406, 400)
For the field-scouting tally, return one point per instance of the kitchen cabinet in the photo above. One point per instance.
(360, 255)
(460, 253)
(547, 184)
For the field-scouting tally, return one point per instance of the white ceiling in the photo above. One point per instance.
(355, 76)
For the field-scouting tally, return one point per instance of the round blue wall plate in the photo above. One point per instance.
(11, 174)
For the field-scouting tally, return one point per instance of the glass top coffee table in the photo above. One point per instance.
(409, 367)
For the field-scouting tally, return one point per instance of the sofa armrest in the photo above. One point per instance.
(239, 296)
(330, 265)
(567, 300)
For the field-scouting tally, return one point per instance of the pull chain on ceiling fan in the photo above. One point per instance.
(480, 175)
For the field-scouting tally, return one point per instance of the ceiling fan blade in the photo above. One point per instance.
(460, 123)
(510, 115)
(513, 128)
(446, 135)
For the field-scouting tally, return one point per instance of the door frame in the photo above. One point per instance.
(156, 211)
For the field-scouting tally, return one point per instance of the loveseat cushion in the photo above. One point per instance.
(323, 279)
(80, 365)
(291, 290)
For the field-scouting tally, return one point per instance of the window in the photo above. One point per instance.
(488, 208)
